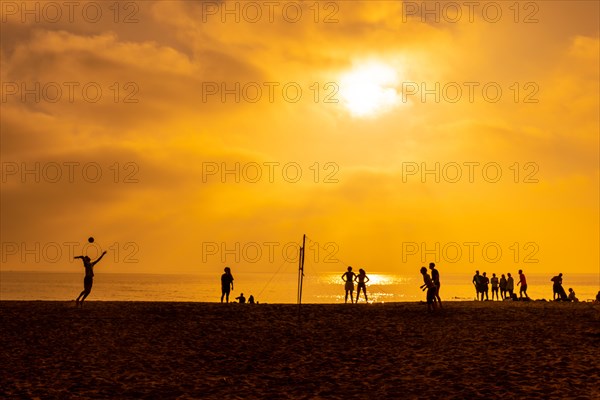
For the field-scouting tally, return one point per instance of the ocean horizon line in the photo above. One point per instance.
(371, 303)
(266, 287)
(374, 272)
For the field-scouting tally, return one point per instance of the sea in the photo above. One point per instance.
(265, 287)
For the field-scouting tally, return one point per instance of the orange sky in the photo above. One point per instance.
(367, 201)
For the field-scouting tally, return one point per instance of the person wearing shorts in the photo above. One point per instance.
(510, 285)
(495, 283)
(503, 284)
(523, 283)
(435, 277)
(88, 280)
(431, 289)
(478, 282)
(485, 286)
(348, 277)
(226, 284)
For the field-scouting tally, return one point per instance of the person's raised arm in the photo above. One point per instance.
(76, 257)
(99, 258)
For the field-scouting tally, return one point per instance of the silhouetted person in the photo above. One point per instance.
(251, 299)
(572, 296)
(597, 297)
(562, 294)
(495, 283)
(348, 277)
(510, 285)
(557, 289)
(485, 286)
(241, 298)
(477, 281)
(503, 284)
(226, 284)
(523, 283)
(362, 280)
(435, 277)
(431, 289)
(88, 280)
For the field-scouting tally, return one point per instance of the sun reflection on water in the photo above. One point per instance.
(374, 279)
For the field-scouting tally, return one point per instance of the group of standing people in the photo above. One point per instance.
(350, 277)
(505, 286)
(502, 287)
(431, 284)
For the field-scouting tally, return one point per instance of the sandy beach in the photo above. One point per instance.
(138, 350)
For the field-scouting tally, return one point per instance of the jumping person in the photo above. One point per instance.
(362, 279)
(88, 280)
(226, 284)
(435, 277)
(348, 277)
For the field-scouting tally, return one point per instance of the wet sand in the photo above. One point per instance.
(137, 350)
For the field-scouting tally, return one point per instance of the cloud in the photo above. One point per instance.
(171, 133)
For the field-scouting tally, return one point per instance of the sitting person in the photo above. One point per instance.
(572, 296)
(241, 298)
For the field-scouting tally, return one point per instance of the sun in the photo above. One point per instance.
(369, 89)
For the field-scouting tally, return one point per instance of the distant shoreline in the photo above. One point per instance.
(265, 287)
(361, 304)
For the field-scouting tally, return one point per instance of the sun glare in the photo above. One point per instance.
(369, 89)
